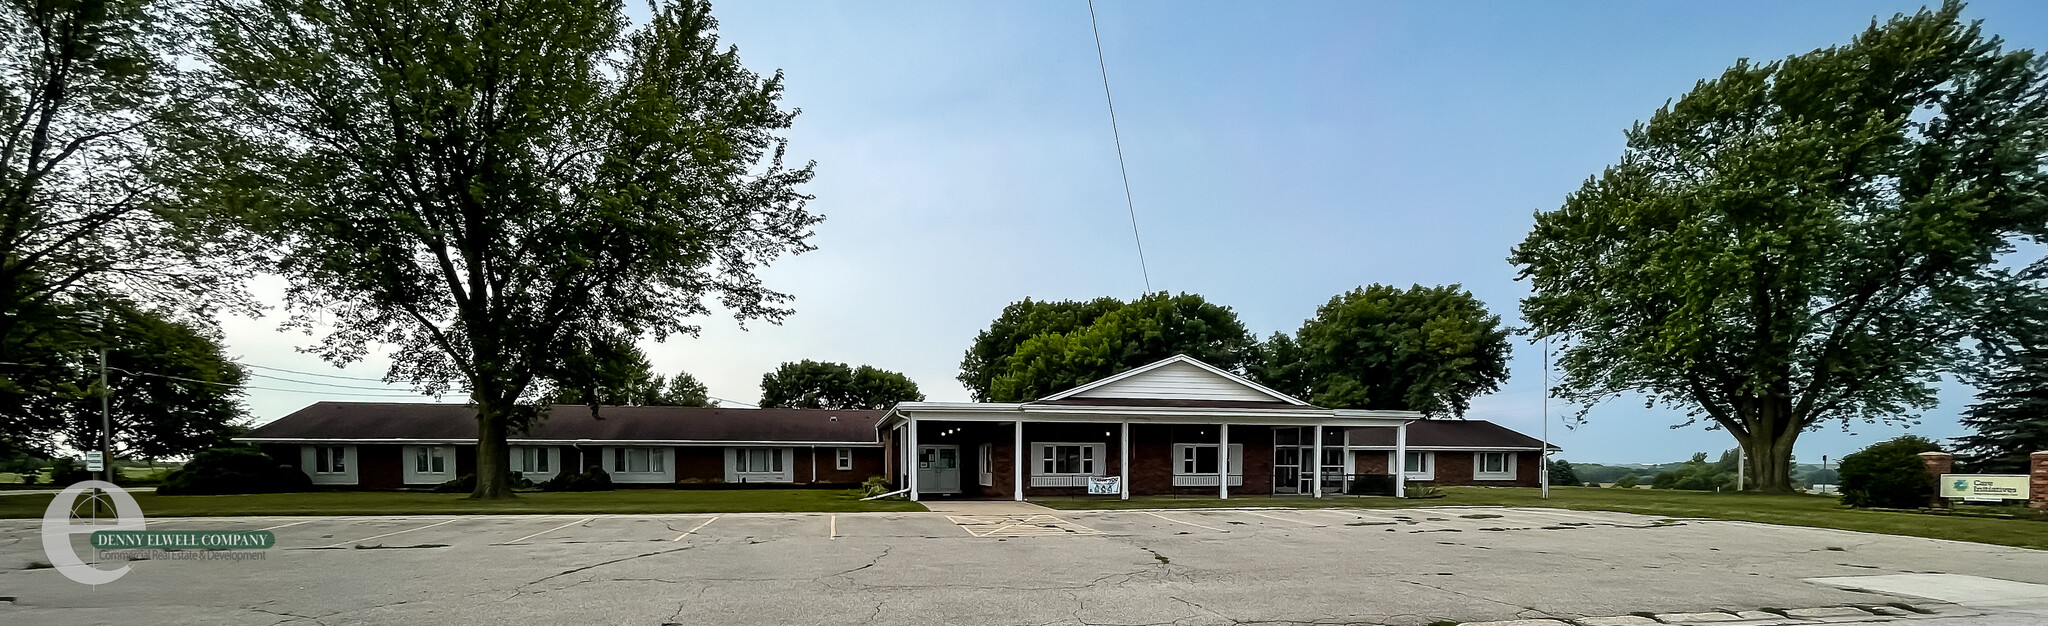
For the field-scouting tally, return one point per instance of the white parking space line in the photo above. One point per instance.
(1181, 522)
(441, 523)
(288, 525)
(581, 521)
(699, 527)
(1284, 519)
(835, 527)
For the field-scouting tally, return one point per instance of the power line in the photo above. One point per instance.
(752, 406)
(311, 382)
(280, 369)
(221, 384)
(1118, 137)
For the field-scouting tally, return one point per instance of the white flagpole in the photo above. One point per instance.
(1545, 476)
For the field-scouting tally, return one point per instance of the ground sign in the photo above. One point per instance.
(1984, 486)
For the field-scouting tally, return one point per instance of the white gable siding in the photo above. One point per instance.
(1178, 381)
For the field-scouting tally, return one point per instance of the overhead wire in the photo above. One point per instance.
(1116, 135)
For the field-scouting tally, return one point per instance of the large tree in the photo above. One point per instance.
(1802, 241)
(621, 376)
(86, 87)
(171, 389)
(1019, 322)
(1428, 349)
(492, 189)
(811, 384)
(1151, 328)
(2010, 418)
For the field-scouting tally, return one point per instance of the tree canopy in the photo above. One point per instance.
(87, 208)
(1428, 349)
(623, 377)
(1800, 241)
(172, 390)
(495, 189)
(1148, 329)
(1021, 321)
(2010, 419)
(811, 384)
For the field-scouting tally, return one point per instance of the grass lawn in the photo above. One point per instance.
(413, 503)
(1792, 510)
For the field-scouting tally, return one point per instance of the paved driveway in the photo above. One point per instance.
(1406, 567)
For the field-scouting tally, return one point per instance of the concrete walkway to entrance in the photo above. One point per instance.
(985, 507)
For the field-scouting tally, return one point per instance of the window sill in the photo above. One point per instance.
(1493, 477)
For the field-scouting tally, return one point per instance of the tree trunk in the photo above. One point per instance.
(1769, 461)
(493, 462)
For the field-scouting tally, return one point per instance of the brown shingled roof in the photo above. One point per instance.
(567, 422)
(1449, 434)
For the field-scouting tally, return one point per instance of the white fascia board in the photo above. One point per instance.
(1454, 448)
(1411, 416)
(1178, 358)
(572, 442)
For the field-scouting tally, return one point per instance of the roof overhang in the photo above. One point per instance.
(1033, 412)
(567, 442)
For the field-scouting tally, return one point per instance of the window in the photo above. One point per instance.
(429, 460)
(330, 460)
(1418, 463)
(636, 460)
(1067, 458)
(1494, 465)
(843, 458)
(757, 460)
(527, 460)
(1200, 458)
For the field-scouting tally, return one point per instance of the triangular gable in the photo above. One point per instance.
(1177, 378)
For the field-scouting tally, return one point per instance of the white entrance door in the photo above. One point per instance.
(938, 469)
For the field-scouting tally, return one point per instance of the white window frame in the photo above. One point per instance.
(1428, 471)
(1507, 460)
(842, 459)
(1093, 459)
(310, 462)
(526, 458)
(1183, 477)
(660, 464)
(988, 464)
(409, 464)
(780, 467)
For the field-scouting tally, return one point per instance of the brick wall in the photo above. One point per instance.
(2038, 485)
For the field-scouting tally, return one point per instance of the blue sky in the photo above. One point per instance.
(1279, 154)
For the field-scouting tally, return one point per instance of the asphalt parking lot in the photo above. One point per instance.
(1408, 567)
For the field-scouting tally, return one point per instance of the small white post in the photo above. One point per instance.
(1317, 466)
(916, 457)
(1017, 466)
(1123, 464)
(1223, 464)
(1401, 460)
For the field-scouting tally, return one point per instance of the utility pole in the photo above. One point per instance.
(106, 402)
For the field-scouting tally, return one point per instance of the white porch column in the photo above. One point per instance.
(1401, 460)
(1223, 463)
(1017, 467)
(911, 426)
(1348, 461)
(1317, 465)
(1123, 464)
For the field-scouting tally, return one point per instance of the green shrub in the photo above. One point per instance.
(1627, 481)
(1888, 474)
(875, 486)
(65, 472)
(592, 479)
(233, 470)
(465, 484)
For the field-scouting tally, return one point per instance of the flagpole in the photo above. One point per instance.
(1545, 476)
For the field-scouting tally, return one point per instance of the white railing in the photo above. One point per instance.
(1060, 480)
(1204, 480)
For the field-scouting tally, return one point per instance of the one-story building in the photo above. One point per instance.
(390, 445)
(1177, 426)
